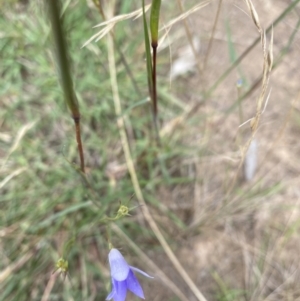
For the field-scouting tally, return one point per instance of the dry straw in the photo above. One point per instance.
(267, 64)
(110, 24)
(267, 67)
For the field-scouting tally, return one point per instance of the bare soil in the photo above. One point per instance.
(247, 246)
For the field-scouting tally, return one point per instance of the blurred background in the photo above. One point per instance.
(226, 201)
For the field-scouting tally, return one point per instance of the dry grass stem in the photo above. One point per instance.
(11, 176)
(254, 15)
(267, 67)
(185, 15)
(22, 132)
(212, 35)
(110, 24)
(49, 286)
(133, 175)
(190, 38)
(15, 266)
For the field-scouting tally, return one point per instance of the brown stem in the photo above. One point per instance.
(79, 144)
(154, 94)
(154, 47)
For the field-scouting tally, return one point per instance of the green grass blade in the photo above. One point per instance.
(65, 73)
(62, 58)
(154, 21)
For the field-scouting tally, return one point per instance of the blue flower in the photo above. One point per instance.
(123, 278)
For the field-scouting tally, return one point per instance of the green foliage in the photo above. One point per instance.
(154, 20)
(48, 203)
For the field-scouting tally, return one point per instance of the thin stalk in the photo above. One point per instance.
(150, 74)
(155, 120)
(241, 118)
(134, 178)
(212, 35)
(266, 71)
(154, 49)
(79, 143)
(49, 286)
(154, 22)
(190, 38)
(199, 67)
(120, 52)
(241, 115)
(148, 54)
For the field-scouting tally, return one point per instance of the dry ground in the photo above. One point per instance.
(252, 243)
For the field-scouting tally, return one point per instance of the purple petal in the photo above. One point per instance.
(112, 293)
(118, 266)
(113, 290)
(140, 271)
(134, 286)
(121, 290)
